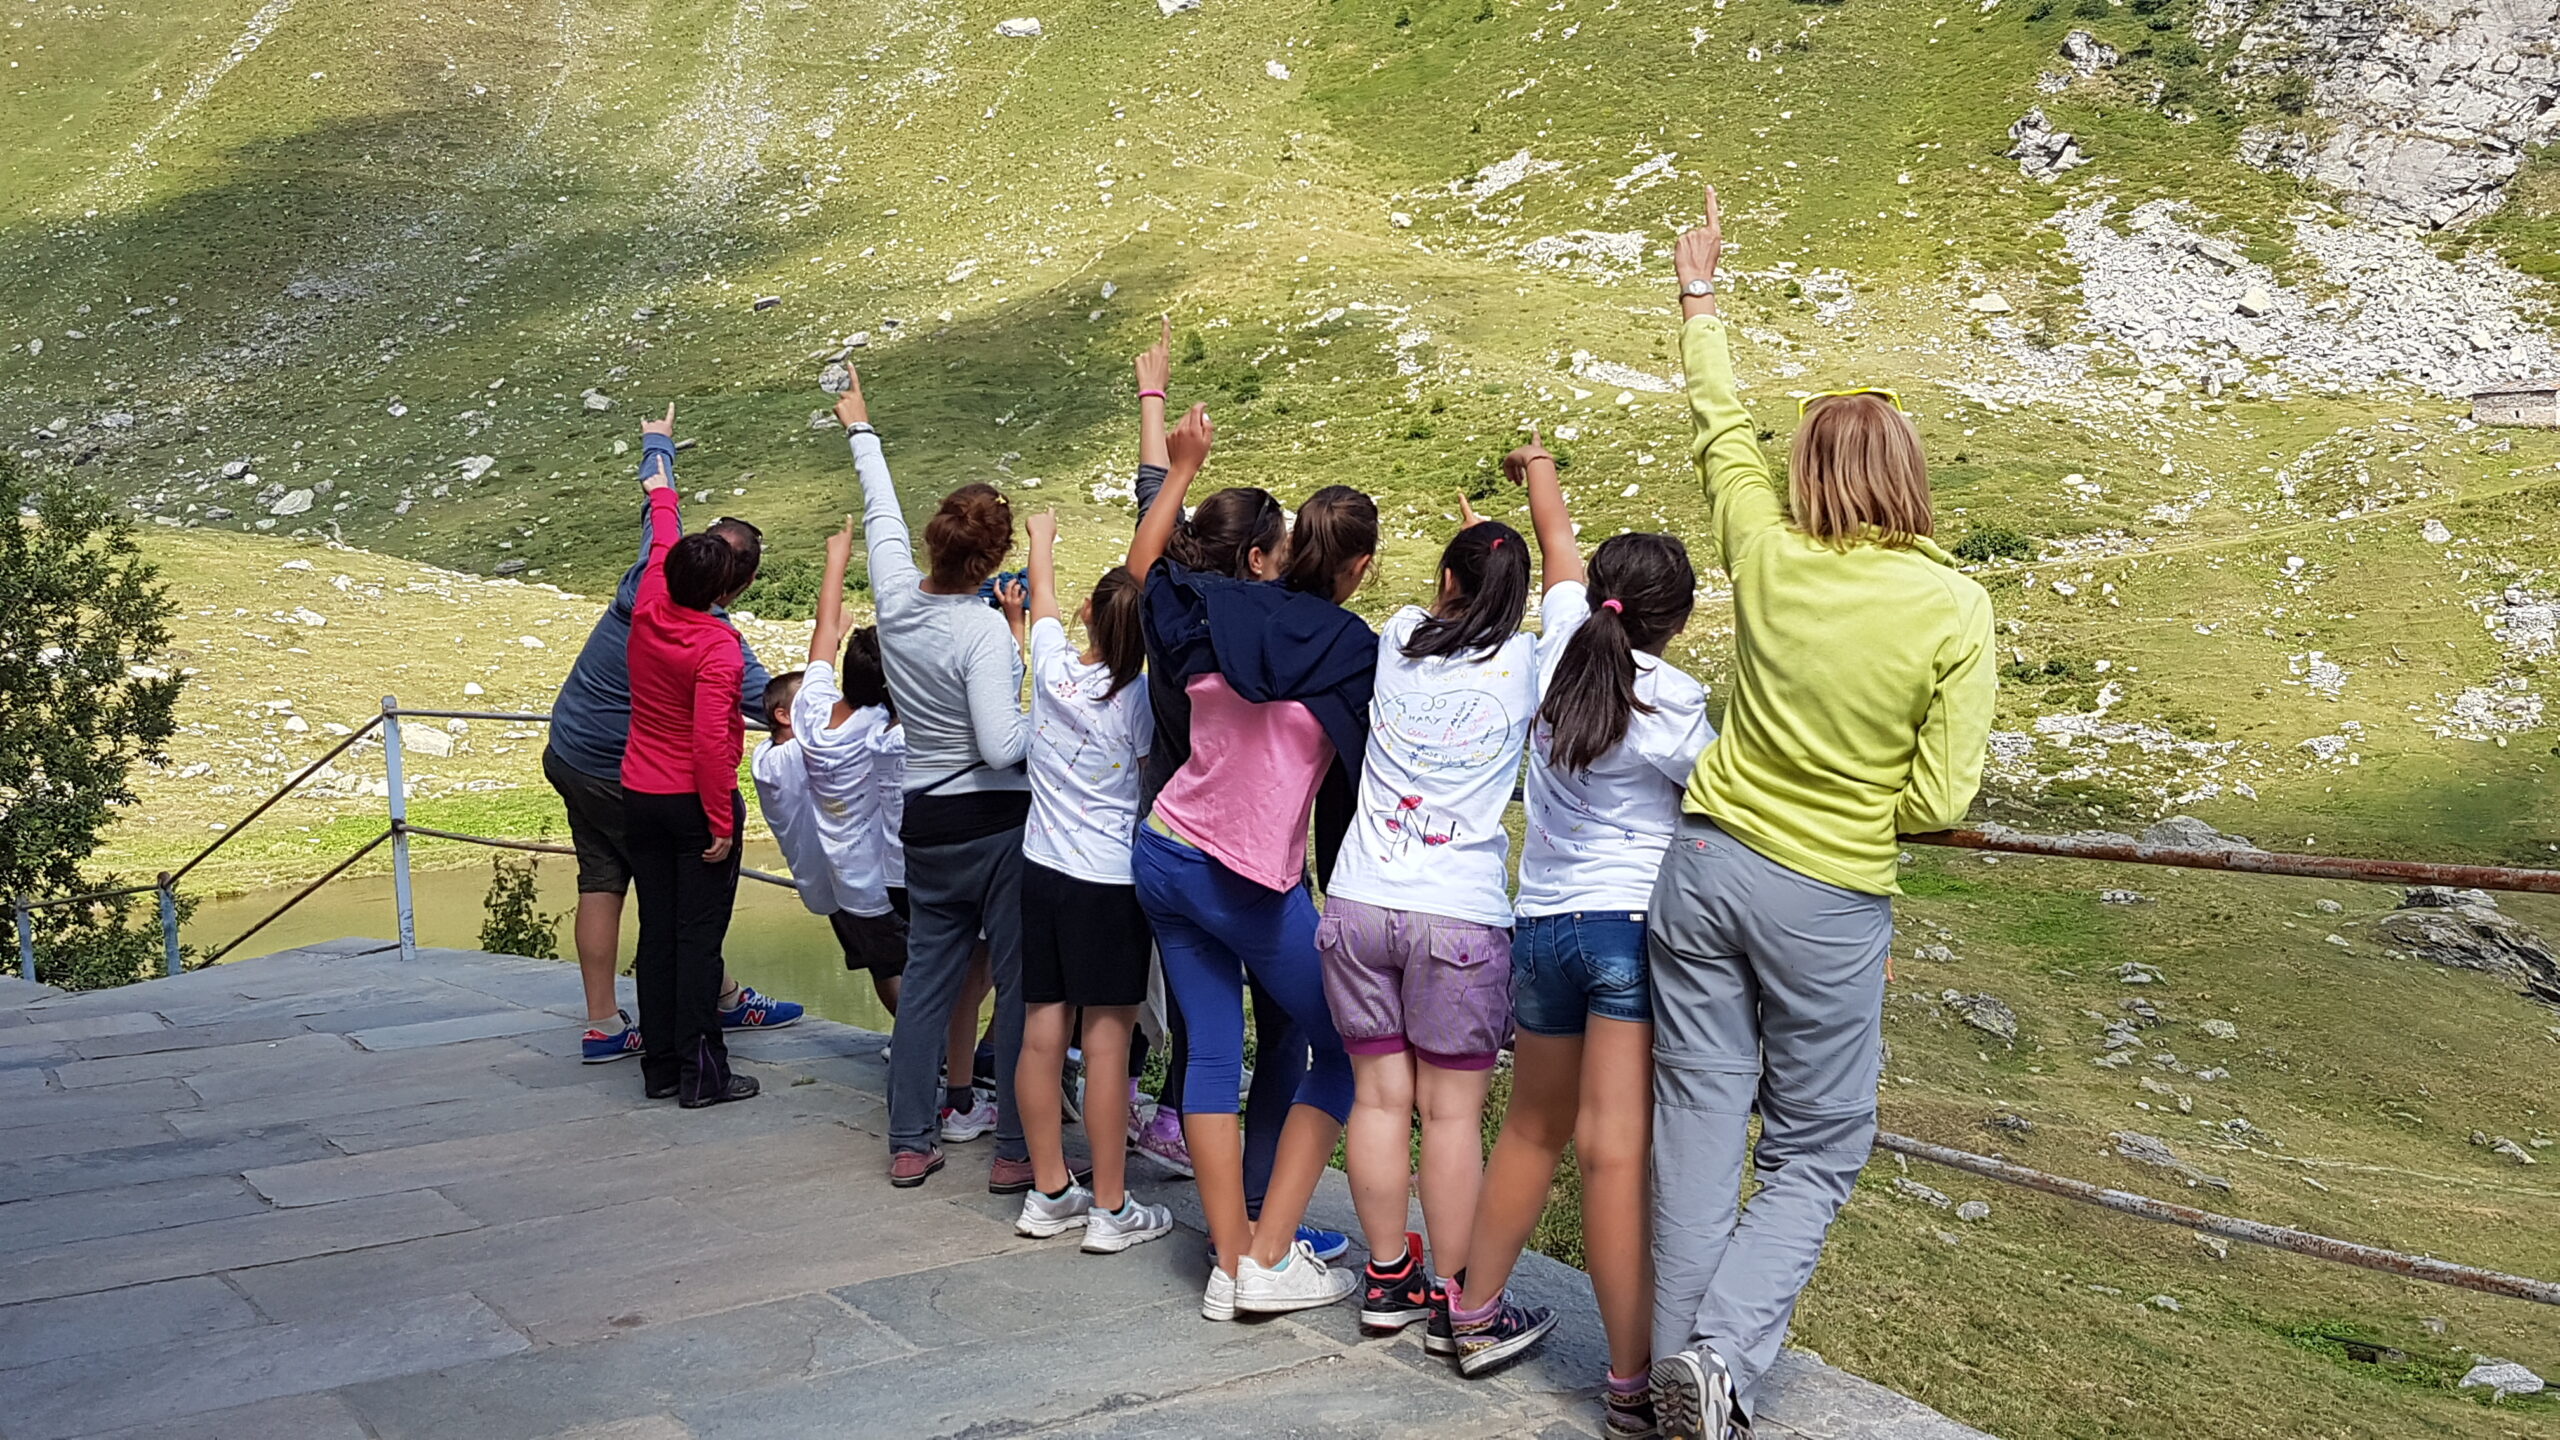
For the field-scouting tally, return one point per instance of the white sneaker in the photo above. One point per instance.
(1043, 1217)
(1108, 1232)
(1218, 1302)
(960, 1126)
(1299, 1282)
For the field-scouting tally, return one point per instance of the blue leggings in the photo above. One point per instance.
(1212, 926)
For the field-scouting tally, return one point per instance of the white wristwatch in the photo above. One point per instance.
(1698, 289)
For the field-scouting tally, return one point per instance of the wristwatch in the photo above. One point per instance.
(860, 427)
(1698, 289)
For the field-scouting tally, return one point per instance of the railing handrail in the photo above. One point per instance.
(2127, 850)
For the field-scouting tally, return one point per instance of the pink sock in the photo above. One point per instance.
(1476, 1316)
(1623, 1385)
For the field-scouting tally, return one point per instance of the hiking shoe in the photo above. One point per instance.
(907, 1168)
(962, 1126)
(1439, 1337)
(720, 1091)
(599, 1045)
(1108, 1232)
(1299, 1282)
(1396, 1296)
(758, 1012)
(1630, 1415)
(1160, 1140)
(1489, 1344)
(1218, 1301)
(1044, 1216)
(1693, 1396)
(1015, 1177)
(662, 1092)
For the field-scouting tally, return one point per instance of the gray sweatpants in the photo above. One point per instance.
(1768, 990)
(953, 892)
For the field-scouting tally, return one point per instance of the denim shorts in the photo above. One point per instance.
(1565, 968)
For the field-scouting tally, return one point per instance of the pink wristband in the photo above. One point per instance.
(1150, 394)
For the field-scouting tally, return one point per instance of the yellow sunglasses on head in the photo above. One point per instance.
(1890, 397)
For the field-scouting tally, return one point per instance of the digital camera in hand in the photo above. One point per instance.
(996, 582)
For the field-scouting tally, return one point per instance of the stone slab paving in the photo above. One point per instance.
(327, 1194)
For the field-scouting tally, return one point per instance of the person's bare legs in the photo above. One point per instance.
(1106, 1122)
(1379, 1154)
(1216, 1143)
(1306, 1148)
(886, 987)
(597, 934)
(1452, 1104)
(1038, 1094)
(1613, 1144)
(1546, 1094)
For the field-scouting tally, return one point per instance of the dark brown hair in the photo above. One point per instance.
(968, 537)
(1119, 636)
(865, 680)
(1220, 535)
(1336, 526)
(778, 695)
(1490, 563)
(1591, 699)
(703, 570)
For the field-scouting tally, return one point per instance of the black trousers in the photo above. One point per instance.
(684, 918)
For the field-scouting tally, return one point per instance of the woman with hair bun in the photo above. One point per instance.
(954, 666)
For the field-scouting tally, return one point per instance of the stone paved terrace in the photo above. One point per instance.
(327, 1194)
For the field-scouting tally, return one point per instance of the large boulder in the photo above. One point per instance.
(2464, 930)
(2042, 152)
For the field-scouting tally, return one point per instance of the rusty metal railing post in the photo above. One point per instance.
(400, 897)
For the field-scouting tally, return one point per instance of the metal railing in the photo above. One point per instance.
(398, 834)
(1995, 839)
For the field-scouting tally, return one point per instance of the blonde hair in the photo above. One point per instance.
(1855, 472)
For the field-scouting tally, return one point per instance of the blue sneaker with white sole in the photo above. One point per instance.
(599, 1045)
(1328, 1245)
(758, 1012)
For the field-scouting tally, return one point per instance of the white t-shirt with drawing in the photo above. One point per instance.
(841, 761)
(1596, 839)
(1445, 736)
(1085, 744)
(782, 793)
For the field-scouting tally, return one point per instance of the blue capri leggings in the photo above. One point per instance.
(1212, 926)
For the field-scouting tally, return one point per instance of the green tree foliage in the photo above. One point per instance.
(512, 922)
(83, 625)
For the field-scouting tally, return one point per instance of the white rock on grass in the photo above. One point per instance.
(475, 466)
(1910, 1189)
(1275, 69)
(2505, 1377)
(1022, 28)
(1973, 1211)
(1992, 303)
(291, 502)
(1175, 7)
(426, 740)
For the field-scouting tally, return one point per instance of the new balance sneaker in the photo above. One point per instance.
(1044, 1216)
(1439, 1337)
(1160, 1140)
(962, 1126)
(1218, 1301)
(758, 1012)
(1392, 1297)
(1299, 1282)
(1108, 1232)
(908, 1168)
(1496, 1340)
(1629, 1411)
(599, 1045)
(1693, 1397)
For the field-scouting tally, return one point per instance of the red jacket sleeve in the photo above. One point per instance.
(665, 528)
(717, 735)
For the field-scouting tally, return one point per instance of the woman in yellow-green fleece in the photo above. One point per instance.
(1860, 706)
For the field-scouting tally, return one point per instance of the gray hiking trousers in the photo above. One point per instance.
(1768, 993)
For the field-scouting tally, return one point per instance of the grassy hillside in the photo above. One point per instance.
(348, 274)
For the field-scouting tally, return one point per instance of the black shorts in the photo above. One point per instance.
(595, 826)
(1083, 943)
(877, 943)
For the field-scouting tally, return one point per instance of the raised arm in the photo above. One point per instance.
(1043, 531)
(1185, 453)
(826, 638)
(884, 526)
(1559, 554)
(1722, 443)
(657, 472)
(1155, 373)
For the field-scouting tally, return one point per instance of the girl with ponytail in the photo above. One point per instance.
(1416, 932)
(1618, 730)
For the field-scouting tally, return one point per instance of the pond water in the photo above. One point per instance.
(774, 944)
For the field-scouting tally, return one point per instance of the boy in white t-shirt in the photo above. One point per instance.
(1415, 937)
(782, 794)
